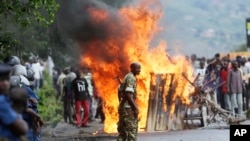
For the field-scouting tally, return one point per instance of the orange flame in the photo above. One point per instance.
(111, 57)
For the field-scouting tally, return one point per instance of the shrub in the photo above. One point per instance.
(49, 107)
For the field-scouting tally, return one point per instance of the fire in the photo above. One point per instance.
(111, 56)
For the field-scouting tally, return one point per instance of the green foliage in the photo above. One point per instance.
(7, 44)
(49, 107)
(25, 12)
(24, 26)
(241, 48)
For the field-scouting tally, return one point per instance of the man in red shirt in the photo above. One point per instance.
(224, 75)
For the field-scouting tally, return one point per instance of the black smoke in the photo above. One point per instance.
(76, 20)
(116, 3)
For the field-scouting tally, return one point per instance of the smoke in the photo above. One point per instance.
(90, 20)
(91, 23)
(116, 3)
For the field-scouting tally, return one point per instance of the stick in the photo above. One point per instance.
(170, 59)
(224, 113)
(196, 78)
(183, 74)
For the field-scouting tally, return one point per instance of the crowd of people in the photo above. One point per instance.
(81, 101)
(225, 81)
(20, 119)
(20, 82)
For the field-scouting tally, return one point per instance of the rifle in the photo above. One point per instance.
(120, 88)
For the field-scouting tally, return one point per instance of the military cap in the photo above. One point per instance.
(4, 69)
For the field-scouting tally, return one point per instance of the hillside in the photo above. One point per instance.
(204, 26)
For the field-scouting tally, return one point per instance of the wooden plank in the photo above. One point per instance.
(169, 102)
(152, 104)
(162, 90)
(161, 117)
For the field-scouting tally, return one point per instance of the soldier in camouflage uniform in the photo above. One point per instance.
(128, 110)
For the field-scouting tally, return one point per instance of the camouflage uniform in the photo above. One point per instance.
(128, 123)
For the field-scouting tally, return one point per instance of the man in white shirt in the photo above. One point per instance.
(248, 62)
(38, 69)
(201, 71)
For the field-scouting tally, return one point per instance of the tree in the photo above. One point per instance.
(22, 23)
(241, 48)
